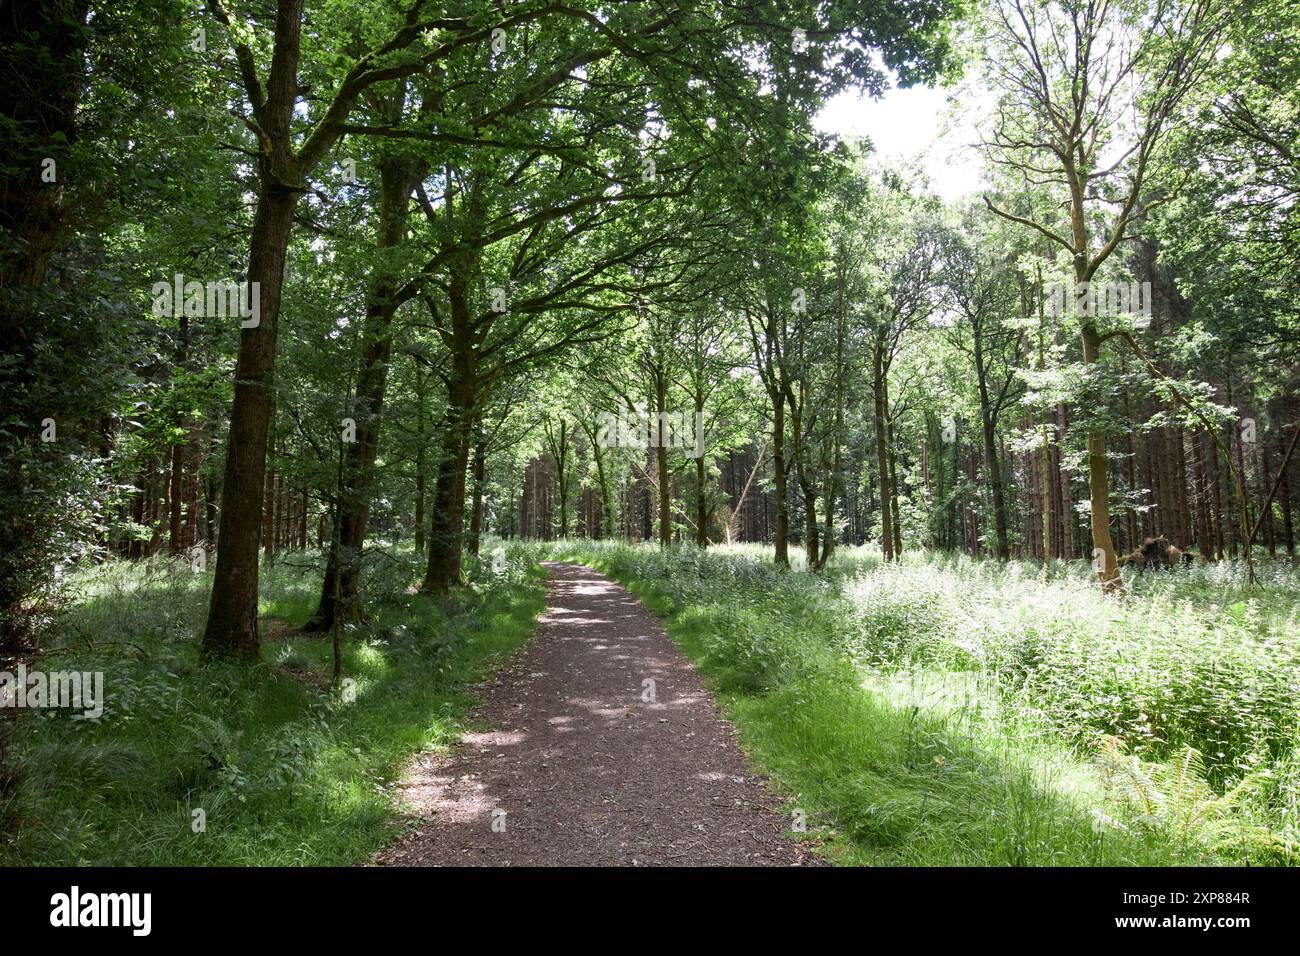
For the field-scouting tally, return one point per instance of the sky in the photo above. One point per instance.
(914, 124)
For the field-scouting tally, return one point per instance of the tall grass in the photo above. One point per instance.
(284, 769)
(940, 710)
(950, 711)
(1169, 667)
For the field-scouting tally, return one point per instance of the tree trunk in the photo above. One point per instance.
(1266, 516)
(701, 505)
(606, 507)
(882, 457)
(835, 480)
(1130, 473)
(420, 462)
(806, 491)
(1204, 538)
(893, 479)
(1284, 500)
(1180, 485)
(476, 511)
(232, 611)
(175, 495)
(397, 179)
(231, 628)
(1104, 559)
(992, 466)
(782, 533)
(1064, 503)
(1217, 484)
(661, 461)
(446, 533)
(268, 517)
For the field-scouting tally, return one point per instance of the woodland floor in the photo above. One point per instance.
(586, 771)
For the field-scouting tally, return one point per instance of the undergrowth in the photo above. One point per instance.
(949, 711)
(226, 764)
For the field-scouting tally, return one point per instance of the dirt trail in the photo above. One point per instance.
(586, 768)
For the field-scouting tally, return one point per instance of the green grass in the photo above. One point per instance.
(286, 771)
(941, 711)
(1188, 658)
(951, 712)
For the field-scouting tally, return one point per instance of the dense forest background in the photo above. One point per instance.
(308, 282)
(482, 242)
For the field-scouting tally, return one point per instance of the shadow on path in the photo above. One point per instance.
(583, 765)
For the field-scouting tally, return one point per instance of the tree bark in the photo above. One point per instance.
(1204, 538)
(1266, 514)
(1284, 500)
(175, 495)
(1104, 557)
(701, 504)
(397, 180)
(893, 478)
(232, 611)
(804, 479)
(420, 460)
(782, 533)
(1064, 503)
(476, 510)
(606, 506)
(993, 468)
(231, 628)
(882, 456)
(446, 533)
(268, 516)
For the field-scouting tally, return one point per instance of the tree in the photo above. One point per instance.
(982, 292)
(282, 170)
(399, 174)
(902, 301)
(1069, 76)
(84, 174)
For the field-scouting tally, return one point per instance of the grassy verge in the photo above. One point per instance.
(879, 712)
(284, 771)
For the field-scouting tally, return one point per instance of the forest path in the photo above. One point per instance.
(586, 771)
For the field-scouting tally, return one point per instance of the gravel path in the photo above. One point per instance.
(587, 763)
